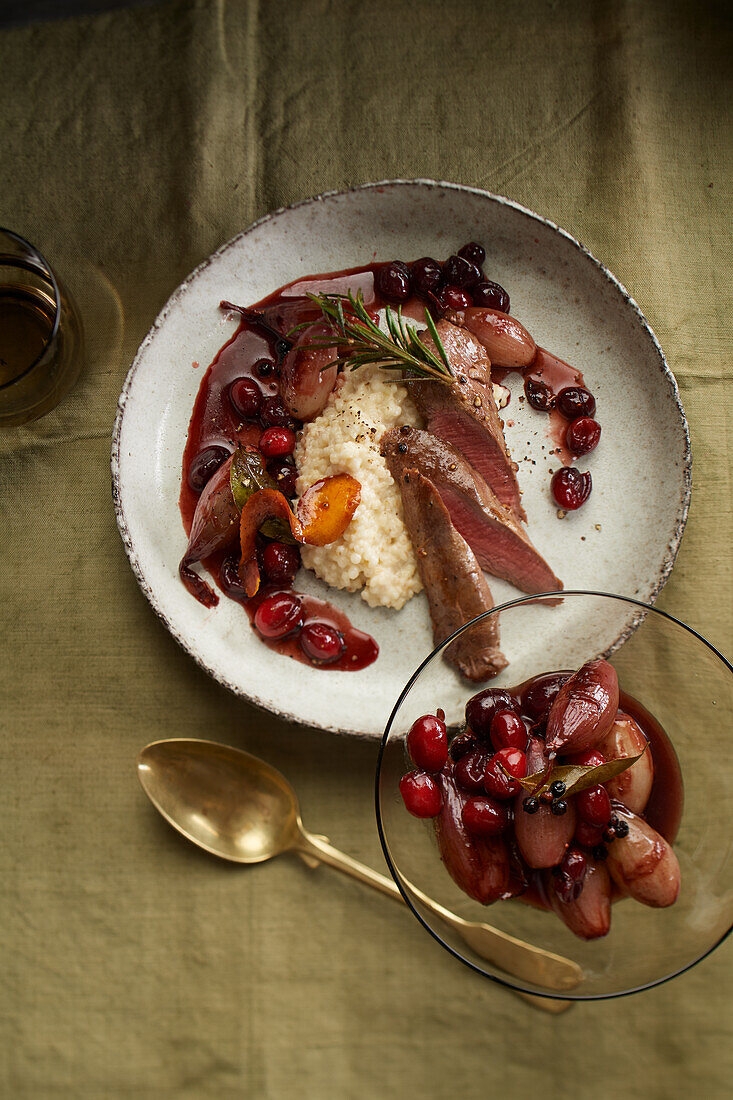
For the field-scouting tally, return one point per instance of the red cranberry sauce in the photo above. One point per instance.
(470, 769)
(218, 425)
(359, 650)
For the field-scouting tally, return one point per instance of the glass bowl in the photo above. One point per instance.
(687, 686)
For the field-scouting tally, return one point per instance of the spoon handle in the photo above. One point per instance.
(495, 946)
(317, 848)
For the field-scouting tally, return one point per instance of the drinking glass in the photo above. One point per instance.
(41, 337)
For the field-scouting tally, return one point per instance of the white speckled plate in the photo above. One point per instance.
(624, 540)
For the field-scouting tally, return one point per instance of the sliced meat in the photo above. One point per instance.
(465, 412)
(491, 530)
(454, 584)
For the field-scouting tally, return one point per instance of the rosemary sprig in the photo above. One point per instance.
(400, 349)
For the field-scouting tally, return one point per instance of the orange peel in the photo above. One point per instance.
(327, 507)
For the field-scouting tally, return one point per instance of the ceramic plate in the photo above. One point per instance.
(624, 540)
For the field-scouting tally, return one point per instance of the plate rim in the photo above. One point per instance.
(115, 456)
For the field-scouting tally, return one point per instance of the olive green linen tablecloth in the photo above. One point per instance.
(131, 146)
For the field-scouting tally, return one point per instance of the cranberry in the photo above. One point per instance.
(264, 368)
(576, 401)
(508, 731)
(280, 562)
(393, 281)
(496, 782)
(229, 579)
(453, 297)
(481, 708)
(321, 643)
(473, 252)
(285, 475)
(246, 398)
(277, 442)
(568, 882)
(278, 615)
(594, 806)
(491, 296)
(427, 743)
(460, 272)
(539, 694)
(273, 414)
(204, 466)
(570, 488)
(588, 835)
(421, 794)
(583, 435)
(539, 395)
(459, 746)
(591, 758)
(470, 770)
(484, 817)
(427, 275)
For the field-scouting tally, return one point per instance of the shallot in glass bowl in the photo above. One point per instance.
(684, 688)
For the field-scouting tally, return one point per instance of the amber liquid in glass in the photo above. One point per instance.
(27, 318)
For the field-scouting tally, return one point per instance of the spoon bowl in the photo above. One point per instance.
(226, 801)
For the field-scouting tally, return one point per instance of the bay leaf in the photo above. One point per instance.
(578, 777)
(249, 475)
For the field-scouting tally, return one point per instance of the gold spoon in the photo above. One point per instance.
(239, 808)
